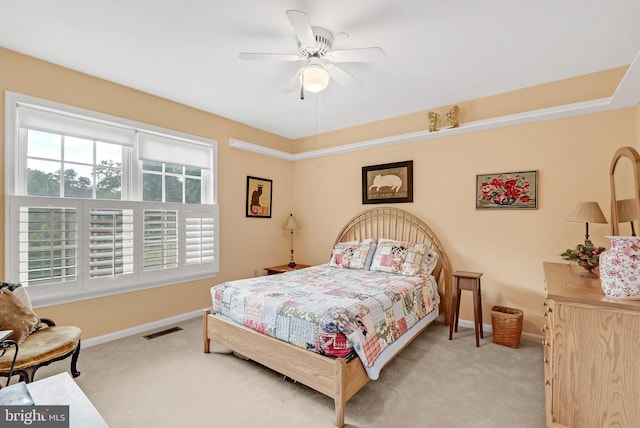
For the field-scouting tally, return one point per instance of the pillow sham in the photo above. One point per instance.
(352, 254)
(16, 316)
(398, 257)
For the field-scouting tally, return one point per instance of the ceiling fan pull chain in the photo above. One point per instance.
(302, 86)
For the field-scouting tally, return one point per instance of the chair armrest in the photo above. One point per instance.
(48, 322)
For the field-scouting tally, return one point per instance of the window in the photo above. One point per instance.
(99, 205)
(63, 166)
(171, 183)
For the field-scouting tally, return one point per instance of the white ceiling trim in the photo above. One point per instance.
(627, 94)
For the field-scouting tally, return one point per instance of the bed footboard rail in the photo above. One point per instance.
(333, 377)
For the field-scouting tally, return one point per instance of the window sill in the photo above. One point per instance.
(77, 296)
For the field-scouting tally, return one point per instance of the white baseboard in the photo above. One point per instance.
(140, 329)
(488, 328)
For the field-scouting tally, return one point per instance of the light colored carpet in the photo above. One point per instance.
(170, 382)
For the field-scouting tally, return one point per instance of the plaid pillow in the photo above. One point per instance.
(403, 258)
(350, 255)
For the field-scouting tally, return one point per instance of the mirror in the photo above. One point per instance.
(625, 191)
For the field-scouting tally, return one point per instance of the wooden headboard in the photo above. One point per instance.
(394, 223)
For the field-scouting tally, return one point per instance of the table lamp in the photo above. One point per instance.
(627, 211)
(587, 212)
(291, 225)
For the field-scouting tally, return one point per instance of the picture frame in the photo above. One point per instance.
(507, 190)
(387, 183)
(259, 197)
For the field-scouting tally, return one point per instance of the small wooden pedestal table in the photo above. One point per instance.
(466, 281)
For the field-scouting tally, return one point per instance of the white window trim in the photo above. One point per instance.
(143, 280)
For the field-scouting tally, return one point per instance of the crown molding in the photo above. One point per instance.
(627, 94)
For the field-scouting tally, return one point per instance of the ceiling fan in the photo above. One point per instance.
(315, 49)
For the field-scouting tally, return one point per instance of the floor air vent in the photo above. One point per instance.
(162, 332)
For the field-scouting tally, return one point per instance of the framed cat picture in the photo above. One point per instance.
(259, 195)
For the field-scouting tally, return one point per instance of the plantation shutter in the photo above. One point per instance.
(47, 245)
(200, 240)
(160, 242)
(110, 242)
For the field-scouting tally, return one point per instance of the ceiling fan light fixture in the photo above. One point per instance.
(314, 78)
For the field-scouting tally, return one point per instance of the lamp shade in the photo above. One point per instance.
(291, 223)
(315, 78)
(587, 212)
(627, 210)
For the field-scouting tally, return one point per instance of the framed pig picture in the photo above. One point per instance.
(387, 183)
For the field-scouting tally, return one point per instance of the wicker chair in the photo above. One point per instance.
(47, 344)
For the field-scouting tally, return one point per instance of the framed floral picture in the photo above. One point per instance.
(258, 197)
(507, 190)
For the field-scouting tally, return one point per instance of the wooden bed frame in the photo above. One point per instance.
(334, 377)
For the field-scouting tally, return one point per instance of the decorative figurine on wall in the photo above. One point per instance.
(434, 119)
(452, 116)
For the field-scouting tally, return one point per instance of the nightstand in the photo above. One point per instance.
(283, 268)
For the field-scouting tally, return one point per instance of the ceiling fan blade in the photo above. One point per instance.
(302, 27)
(269, 56)
(342, 77)
(357, 55)
(294, 83)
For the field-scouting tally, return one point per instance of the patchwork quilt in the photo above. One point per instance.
(329, 310)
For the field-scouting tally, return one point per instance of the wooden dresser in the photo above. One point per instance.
(591, 353)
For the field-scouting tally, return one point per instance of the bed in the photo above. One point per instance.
(334, 376)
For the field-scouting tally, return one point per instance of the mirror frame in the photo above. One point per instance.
(631, 154)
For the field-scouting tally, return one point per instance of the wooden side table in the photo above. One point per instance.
(283, 268)
(466, 281)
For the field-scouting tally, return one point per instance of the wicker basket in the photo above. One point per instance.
(507, 326)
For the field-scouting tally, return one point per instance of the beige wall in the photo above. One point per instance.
(245, 243)
(572, 156)
(591, 86)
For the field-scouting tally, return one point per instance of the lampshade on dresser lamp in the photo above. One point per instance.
(627, 212)
(291, 225)
(587, 212)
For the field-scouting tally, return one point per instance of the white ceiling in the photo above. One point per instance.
(437, 52)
